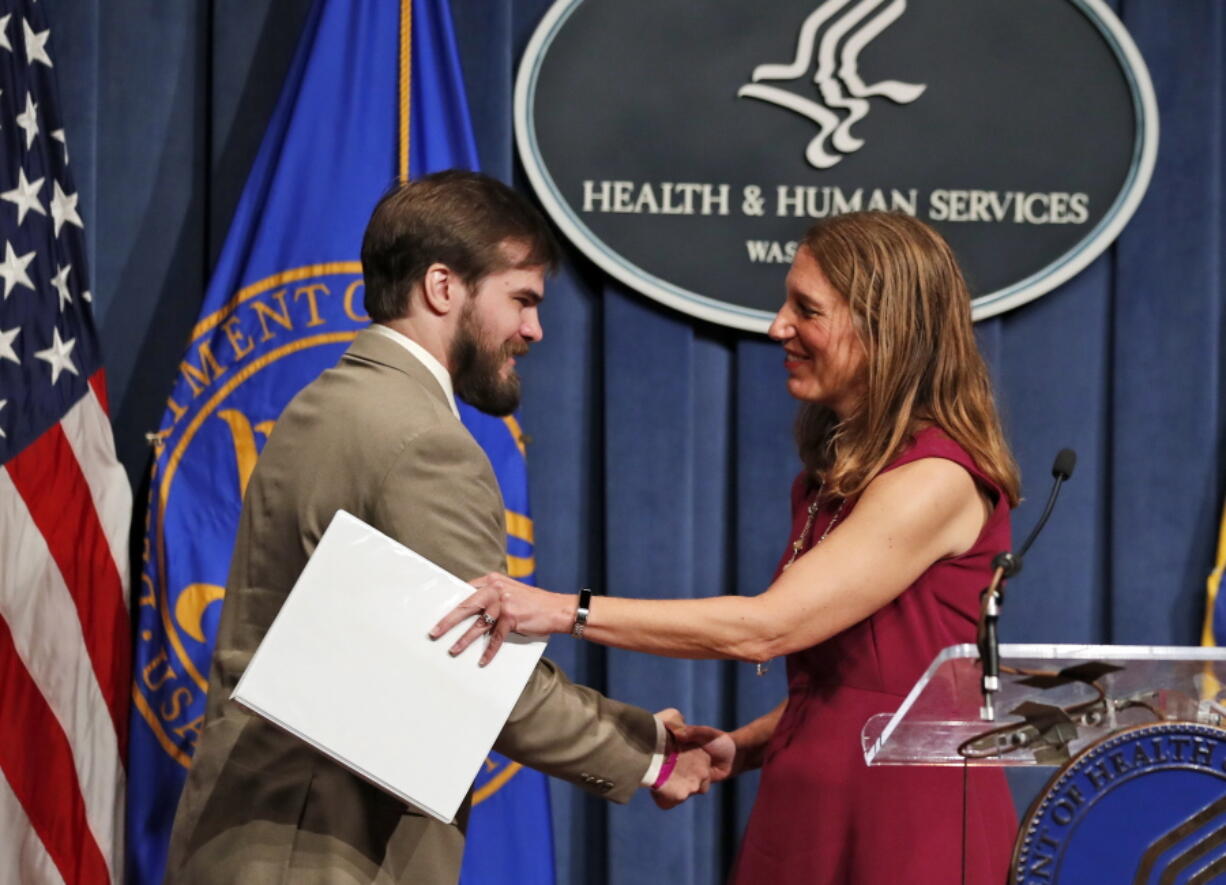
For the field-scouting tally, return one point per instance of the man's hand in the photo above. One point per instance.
(704, 756)
(717, 745)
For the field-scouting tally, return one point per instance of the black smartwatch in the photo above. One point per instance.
(585, 606)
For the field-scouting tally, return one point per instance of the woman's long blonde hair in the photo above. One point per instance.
(912, 313)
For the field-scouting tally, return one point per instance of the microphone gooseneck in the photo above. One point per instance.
(1004, 566)
(1062, 469)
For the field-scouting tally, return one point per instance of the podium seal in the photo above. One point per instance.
(1146, 805)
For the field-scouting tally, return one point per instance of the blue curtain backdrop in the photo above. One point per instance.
(660, 452)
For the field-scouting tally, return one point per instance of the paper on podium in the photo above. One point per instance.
(347, 666)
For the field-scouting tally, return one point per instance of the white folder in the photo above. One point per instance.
(348, 667)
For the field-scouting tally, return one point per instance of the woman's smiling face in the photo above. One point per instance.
(824, 356)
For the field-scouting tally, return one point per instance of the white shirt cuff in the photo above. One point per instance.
(657, 759)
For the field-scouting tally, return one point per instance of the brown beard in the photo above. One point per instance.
(476, 368)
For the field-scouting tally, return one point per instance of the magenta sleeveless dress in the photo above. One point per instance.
(821, 815)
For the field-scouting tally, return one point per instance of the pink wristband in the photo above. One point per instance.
(665, 770)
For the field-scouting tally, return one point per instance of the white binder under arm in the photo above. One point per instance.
(347, 666)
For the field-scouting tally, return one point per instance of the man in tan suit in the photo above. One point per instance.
(454, 266)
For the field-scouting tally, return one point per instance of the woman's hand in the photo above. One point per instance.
(704, 756)
(503, 606)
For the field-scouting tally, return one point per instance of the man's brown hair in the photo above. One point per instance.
(456, 218)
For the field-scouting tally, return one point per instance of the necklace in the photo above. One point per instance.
(799, 544)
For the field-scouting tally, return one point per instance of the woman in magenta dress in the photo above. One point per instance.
(902, 502)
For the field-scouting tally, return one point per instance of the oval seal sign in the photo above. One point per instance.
(685, 149)
(1144, 806)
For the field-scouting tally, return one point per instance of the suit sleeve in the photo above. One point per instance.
(440, 498)
(577, 734)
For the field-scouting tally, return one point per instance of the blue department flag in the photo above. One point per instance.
(284, 302)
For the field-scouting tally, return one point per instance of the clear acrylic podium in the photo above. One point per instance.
(1054, 701)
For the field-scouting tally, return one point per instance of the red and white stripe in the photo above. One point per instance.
(65, 652)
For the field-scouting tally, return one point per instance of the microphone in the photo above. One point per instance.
(1005, 566)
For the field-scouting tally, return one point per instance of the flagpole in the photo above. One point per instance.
(406, 82)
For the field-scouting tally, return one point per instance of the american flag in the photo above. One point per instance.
(65, 505)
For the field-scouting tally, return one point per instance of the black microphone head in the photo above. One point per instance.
(1064, 464)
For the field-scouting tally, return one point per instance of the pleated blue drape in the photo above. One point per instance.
(661, 454)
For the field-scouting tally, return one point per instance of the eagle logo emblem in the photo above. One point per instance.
(834, 34)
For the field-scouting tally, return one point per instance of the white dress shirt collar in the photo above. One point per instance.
(433, 366)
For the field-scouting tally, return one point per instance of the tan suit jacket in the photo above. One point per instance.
(376, 437)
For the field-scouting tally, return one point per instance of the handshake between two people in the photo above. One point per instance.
(696, 756)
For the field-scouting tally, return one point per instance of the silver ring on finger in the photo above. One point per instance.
(487, 620)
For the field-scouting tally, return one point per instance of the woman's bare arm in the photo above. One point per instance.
(906, 520)
(751, 740)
